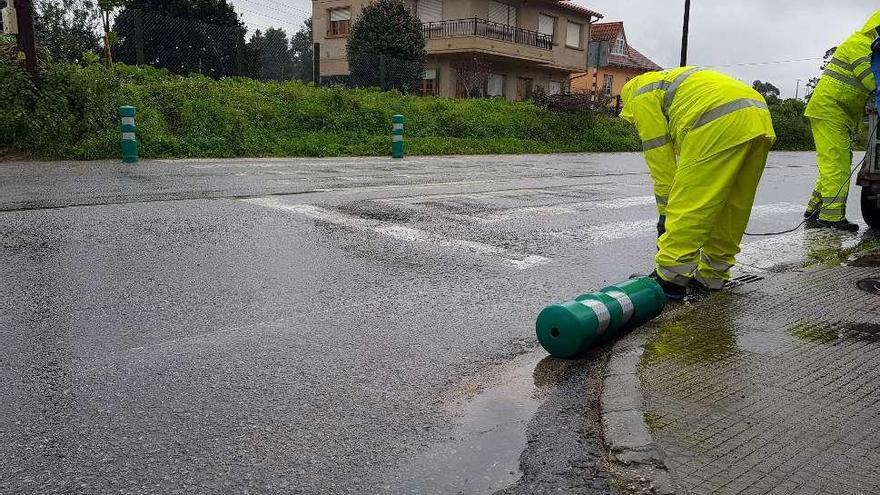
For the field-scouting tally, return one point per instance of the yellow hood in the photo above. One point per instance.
(871, 26)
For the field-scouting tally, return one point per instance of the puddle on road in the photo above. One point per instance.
(483, 452)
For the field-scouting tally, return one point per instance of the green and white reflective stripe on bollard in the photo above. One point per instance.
(129, 142)
(567, 329)
(397, 136)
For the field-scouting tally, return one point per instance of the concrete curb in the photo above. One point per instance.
(636, 460)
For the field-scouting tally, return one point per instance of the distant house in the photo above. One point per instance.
(624, 63)
(521, 45)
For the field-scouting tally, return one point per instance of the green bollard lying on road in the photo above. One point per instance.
(567, 329)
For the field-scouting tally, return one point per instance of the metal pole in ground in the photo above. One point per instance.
(397, 136)
(24, 10)
(129, 144)
(684, 32)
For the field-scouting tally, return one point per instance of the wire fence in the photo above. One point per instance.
(183, 43)
(71, 31)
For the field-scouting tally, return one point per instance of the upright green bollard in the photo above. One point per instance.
(569, 328)
(129, 142)
(397, 136)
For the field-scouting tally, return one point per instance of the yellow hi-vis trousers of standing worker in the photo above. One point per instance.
(706, 137)
(835, 109)
(834, 157)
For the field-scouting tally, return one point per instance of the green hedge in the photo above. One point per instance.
(73, 115)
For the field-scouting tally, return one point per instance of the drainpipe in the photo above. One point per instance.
(590, 21)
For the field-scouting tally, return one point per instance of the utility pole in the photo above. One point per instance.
(684, 32)
(24, 10)
(797, 92)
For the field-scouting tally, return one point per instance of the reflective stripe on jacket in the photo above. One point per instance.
(689, 113)
(843, 89)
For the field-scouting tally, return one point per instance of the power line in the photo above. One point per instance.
(285, 6)
(284, 11)
(284, 22)
(773, 62)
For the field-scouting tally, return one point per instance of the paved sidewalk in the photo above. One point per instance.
(770, 387)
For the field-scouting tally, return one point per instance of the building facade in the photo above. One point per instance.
(477, 47)
(624, 63)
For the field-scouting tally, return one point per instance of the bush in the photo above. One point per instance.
(73, 115)
(792, 128)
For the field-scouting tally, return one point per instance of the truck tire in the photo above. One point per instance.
(871, 205)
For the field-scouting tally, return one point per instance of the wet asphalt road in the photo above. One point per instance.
(317, 326)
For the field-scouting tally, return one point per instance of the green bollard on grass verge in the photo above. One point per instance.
(128, 144)
(397, 136)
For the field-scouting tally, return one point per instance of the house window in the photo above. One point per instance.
(495, 85)
(340, 21)
(428, 86)
(429, 10)
(546, 24)
(573, 36)
(608, 84)
(501, 13)
(619, 46)
(554, 88)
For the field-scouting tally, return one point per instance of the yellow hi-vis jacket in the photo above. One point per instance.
(843, 89)
(687, 114)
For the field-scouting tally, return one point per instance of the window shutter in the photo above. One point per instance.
(573, 37)
(511, 15)
(340, 15)
(497, 12)
(545, 24)
(430, 10)
(495, 85)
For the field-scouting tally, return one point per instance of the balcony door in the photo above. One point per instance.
(501, 13)
(429, 10)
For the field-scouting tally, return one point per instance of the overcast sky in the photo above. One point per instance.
(724, 33)
(728, 33)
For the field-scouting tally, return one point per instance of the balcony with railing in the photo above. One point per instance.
(482, 28)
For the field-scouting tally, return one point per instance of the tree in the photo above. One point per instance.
(66, 29)
(302, 53)
(183, 36)
(472, 74)
(253, 50)
(275, 63)
(768, 91)
(813, 82)
(386, 47)
(105, 10)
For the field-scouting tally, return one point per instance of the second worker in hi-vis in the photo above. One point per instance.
(706, 137)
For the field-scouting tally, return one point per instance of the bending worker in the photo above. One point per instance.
(835, 110)
(706, 137)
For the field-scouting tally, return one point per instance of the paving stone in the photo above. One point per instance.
(773, 387)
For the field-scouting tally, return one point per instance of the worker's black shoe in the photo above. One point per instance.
(673, 291)
(699, 289)
(842, 225)
(811, 219)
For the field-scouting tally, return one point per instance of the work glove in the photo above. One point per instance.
(661, 226)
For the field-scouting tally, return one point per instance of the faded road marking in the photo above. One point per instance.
(402, 233)
(567, 208)
(604, 233)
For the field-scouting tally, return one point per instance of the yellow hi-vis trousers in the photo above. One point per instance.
(834, 155)
(709, 208)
